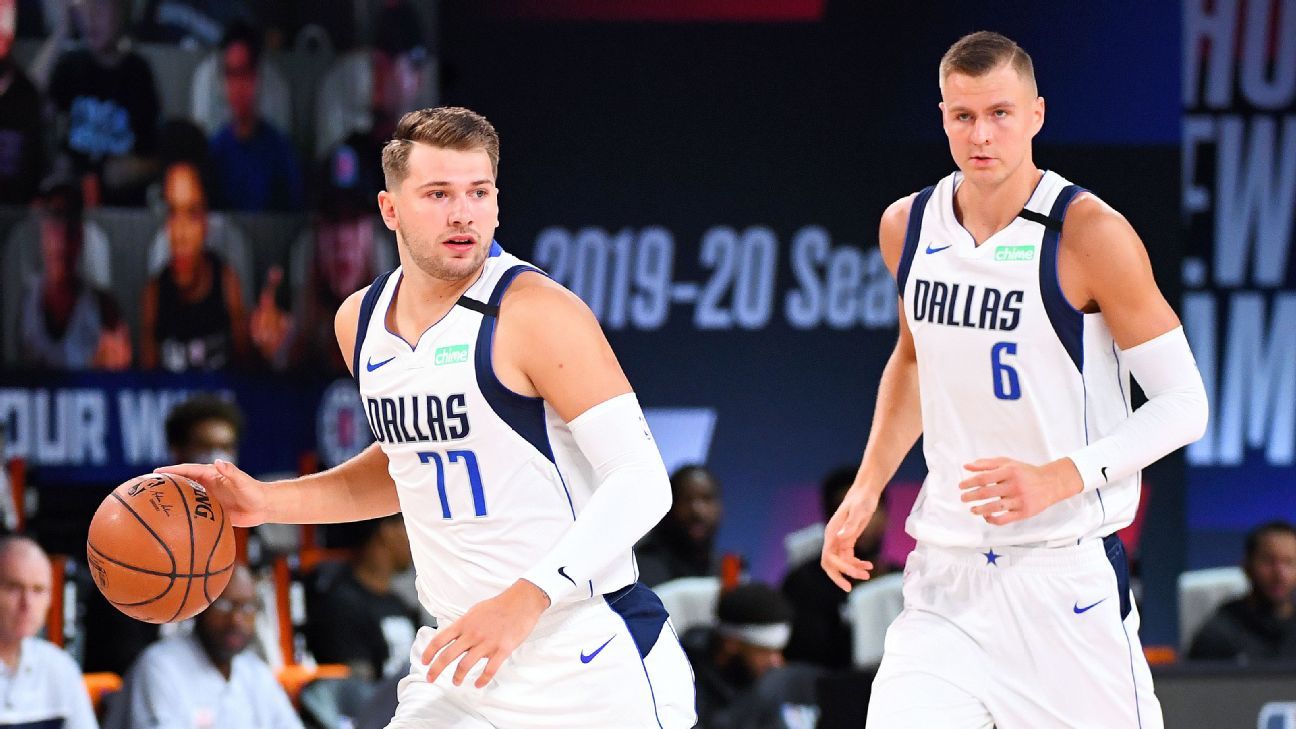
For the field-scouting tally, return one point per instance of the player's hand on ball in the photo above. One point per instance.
(242, 496)
(1013, 490)
(492, 629)
(844, 528)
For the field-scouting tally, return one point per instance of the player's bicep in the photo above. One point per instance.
(561, 349)
(1118, 276)
(345, 324)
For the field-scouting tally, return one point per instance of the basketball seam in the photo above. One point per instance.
(145, 524)
(156, 573)
(171, 578)
(220, 532)
(188, 520)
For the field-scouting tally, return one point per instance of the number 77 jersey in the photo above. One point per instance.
(1007, 367)
(488, 479)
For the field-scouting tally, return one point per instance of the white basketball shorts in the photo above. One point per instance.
(1015, 638)
(611, 661)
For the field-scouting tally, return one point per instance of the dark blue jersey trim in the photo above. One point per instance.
(525, 415)
(367, 305)
(912, 233)
(1067, 321)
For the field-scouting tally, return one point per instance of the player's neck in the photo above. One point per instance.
(986, 209)
(422, 300)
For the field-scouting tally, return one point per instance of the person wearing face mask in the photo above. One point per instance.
(198, 430)
(207, 679)
(193, 312)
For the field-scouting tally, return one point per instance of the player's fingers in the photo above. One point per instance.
(493, 666)
(203, 473)
(444, 658)
(985, 478)
(979, 493)
(849, 566)
(440, 640)
(997, 506)
(835, 575)
(1006, 517)
(470, 658)
(985, 464)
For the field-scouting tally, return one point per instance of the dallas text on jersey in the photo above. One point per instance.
(418, 418)
(983, 308)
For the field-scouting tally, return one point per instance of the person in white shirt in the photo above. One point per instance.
(40, 685)
(207, 679)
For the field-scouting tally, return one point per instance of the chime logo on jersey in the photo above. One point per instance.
(418, 418)
(1014, 253)
(454, 354)
(967, 305)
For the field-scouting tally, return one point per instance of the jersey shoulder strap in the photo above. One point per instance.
(367, 305)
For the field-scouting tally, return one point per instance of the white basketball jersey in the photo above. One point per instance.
(488, 479)
(1007, 367)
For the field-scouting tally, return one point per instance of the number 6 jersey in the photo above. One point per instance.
(488, 479)
(1007, 367)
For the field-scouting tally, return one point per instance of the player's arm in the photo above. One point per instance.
(897, 423)
(549, 344)
(1104, 265)
(361, 488)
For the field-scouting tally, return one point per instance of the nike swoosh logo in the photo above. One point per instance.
(371, 365)
(1104, 472)
(562, 571)
(1087, 608)
(938, 250)
(586, 658)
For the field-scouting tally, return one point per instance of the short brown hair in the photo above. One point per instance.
(447, 127)
(979, 53)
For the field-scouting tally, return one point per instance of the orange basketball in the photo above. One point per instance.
(160, 548)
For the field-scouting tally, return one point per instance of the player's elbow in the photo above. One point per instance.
(1198, 413)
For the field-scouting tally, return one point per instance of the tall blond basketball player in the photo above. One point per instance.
(1026, 304)
(509, 437)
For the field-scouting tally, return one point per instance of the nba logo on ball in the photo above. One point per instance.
(341, 428)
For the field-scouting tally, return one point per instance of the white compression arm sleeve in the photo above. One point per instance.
(632, 495)
(1173, 416)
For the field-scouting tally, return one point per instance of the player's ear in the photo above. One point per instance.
(387, 207)
(1037, 109)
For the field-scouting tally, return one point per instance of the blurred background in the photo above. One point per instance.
(188, 193)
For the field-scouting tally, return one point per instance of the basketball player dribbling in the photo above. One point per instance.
(1026, 304)
(513, 444)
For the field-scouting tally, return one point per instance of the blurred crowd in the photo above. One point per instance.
(160, 132)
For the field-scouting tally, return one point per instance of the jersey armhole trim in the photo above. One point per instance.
(913, 231)
(1067, 321)
(525, 415)
(367, 305)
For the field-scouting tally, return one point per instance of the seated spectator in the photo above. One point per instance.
(352, 614)
(22, 147)
(254, 166)
(207, 678)
(198, 430)
(819, 634)
(683, 544)
(192, 315)
(107, 106)
(1261, 626)
(66, 322)
(737, 664)
(41, 684)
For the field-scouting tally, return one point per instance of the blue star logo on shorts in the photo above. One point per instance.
(991, 557)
